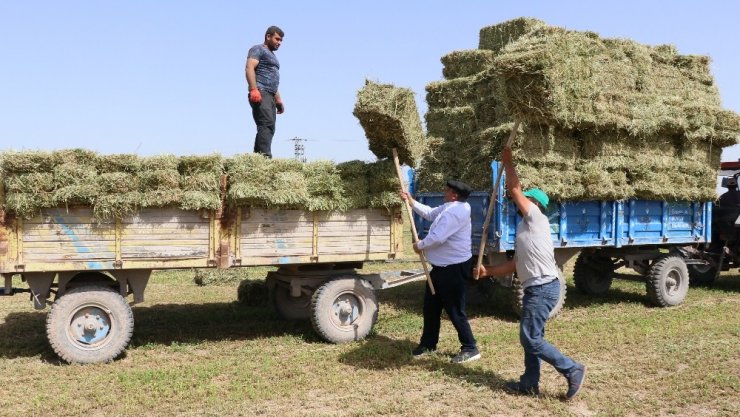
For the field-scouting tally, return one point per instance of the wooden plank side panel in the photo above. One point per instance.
(165, 234)
(67, 235)
(285, 236)
(355, 232)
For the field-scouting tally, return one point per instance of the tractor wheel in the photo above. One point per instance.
(593, 274)
(344, 309)
(668, 281)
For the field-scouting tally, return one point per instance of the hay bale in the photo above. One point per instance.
(252, 293)
(356, 185)
(389, 116)
(29, 182)
(197, 200)
(117, 206)
(495, 37)
(452, 93)
(384, 185)
(255, 180)
(27, 162)
(159, 179)
(579, 81)
(118, 163)
(201, 164)
(466, 63)
(325, 187)
(117, 182)
(450, 122)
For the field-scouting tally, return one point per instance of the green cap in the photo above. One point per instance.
(538, 195)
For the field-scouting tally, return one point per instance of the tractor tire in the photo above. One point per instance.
(593, 274)
(518, 298)
(287, 306)
(344, 310)
(668, 281)
(89, 325)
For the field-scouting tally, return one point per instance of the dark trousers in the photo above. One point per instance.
(449, 285)
(264, 114)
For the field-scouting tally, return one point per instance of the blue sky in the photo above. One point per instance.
(152, 77)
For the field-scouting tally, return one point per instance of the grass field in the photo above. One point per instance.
(196, 351)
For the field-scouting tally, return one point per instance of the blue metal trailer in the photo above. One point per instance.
(644, 235)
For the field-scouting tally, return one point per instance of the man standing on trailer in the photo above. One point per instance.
(535, 266)
(448, 247)
(263, 77)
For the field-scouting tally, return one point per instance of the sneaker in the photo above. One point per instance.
(466, 356)
(516, 388)
(421, 351)
(575, 379)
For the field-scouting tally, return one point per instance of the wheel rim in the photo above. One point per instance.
(346, 310)
(89, 326)
(672, 281)
(702, 268)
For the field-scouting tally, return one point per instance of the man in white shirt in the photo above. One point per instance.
(534, 264)
(448, 248)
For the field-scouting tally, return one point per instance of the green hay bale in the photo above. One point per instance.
(559, 184)
(197, 200)
(160, 162)
(389, 116)
(356, 185)
(579, 81)
(261, 182)
(451, 121)
(27, 205)
(125, 163)
(78, 194)
(83, 157)
(71, 173)
(452, 93)
(601, 184)
(201, 182)
(161, 197)
(198, 164)
(117, 206)
(384, 185)
(159, 179)
(27, 162)
(325, 187)
(495, 37)
(117, 182)
(465, 63)
(30, 183)
(252, 293)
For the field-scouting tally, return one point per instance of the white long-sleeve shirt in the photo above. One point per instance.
(449, 239)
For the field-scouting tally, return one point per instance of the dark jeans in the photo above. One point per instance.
(449, 286)
(264, 114)
(538, 301)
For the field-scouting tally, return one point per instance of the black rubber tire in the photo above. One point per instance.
(287, 306)
(701, 275)
(518, 296)
(344, 310)
(113, 316)
(592, 273)
(668, 281)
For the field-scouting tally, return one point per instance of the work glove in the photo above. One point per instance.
(255, 96)
(280, 107)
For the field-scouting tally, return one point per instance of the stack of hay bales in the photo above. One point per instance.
(113, 185)
(118, 185)
(603, 119)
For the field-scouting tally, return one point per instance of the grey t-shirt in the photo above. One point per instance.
(534, 254)
(268, 69)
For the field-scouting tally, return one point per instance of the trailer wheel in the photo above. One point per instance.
(344, 310)
(518, 292)
(593, 273)
(668, 281)
(289, 307)
(89, 325)
(701, 274)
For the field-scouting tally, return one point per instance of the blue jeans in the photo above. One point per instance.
(538, 301)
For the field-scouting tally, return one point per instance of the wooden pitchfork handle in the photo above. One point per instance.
(414, 235)
(492, 202)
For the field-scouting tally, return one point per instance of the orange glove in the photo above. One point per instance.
(279, 106)
(255, 96)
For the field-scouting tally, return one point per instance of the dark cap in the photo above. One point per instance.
(462, 189)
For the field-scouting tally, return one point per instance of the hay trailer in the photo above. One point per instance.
(650, 237)
(86, 269)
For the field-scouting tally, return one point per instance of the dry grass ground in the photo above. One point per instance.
(195, 351)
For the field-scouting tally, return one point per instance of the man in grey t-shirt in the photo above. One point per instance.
(534, 264)
(263, 76)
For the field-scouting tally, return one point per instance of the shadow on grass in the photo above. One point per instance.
(382, 353)
(23, 334)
